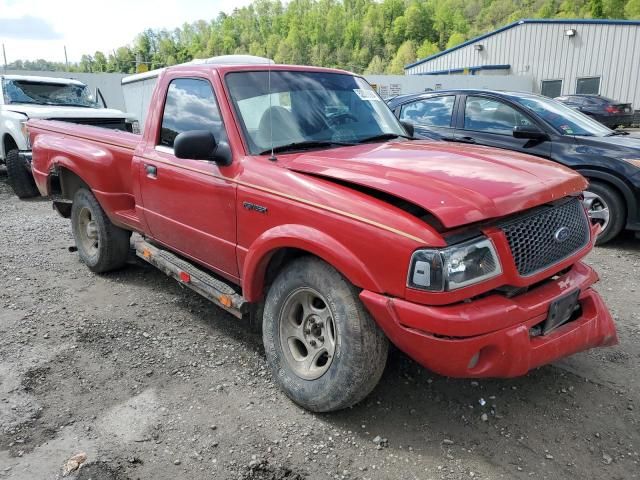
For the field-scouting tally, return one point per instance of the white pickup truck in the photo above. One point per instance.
(26, 97)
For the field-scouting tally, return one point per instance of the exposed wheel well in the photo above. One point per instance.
(66, 183)
(278, 260)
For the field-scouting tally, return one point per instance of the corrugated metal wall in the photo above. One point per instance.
(542, 50)
(391, 85)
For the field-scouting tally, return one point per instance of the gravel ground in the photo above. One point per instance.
(152, 382)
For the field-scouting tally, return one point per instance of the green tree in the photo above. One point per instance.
(632, 10)
(406, 54)
(455, 39)
(86, 63)
(614, 8)
(596, 8)
(100, 62)
(547, 10)
(375, 67)
(427, 49)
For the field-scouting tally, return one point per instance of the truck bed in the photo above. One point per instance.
(88, 132)
(101, 157)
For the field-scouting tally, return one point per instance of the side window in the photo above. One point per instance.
(190, 105)
(493, 116)
(434, 111)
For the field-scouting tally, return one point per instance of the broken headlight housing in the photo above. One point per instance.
(454, 267)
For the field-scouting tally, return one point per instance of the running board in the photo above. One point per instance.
(193, 277)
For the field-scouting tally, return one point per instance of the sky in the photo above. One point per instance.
(32, 29)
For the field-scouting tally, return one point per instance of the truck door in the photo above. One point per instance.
(189, 205)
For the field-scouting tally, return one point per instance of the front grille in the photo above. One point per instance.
(534, 241)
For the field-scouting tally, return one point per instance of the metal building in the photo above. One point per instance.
(563, 57)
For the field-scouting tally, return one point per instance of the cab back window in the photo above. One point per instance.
(190, 105)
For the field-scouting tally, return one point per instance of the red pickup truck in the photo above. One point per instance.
(294, 196)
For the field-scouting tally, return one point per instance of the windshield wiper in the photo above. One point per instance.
(384, 136)
(306, 144)
(616, 132)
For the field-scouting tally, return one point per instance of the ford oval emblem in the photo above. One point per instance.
(562, 234)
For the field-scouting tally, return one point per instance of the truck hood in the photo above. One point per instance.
(51, 111)
(459, 184)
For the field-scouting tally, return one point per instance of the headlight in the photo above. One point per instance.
(454, 267)
(25, 132)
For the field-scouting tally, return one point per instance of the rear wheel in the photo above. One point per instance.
(20, 178)
(605, 207)
(324, 349)
(101, 245)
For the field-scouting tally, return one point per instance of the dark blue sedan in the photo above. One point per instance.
(540, 126)
(605, 110)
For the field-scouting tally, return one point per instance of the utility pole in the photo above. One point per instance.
(4, 54)
(66, 60)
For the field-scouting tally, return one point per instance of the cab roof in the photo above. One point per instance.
(224, 68)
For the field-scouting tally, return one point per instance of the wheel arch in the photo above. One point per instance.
(278, 246)
(8, 143)
(619, 184)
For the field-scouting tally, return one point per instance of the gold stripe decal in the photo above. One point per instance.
(291, 197)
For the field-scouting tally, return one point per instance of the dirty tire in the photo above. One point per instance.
(617, 210)
(20, 178)
(361, 348)
(111, 247)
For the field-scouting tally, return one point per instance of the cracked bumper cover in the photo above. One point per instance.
(490, 336)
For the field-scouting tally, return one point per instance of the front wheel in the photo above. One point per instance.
(101, 245)
(605, 207)
(324, 349)
(20, 178)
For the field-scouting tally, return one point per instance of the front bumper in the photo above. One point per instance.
(492, 336)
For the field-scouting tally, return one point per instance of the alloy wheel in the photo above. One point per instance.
(88, 232)
(307, 333)
(597, 209)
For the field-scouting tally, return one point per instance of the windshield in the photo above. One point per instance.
(308, 109)
(40, 93)
(564, 119)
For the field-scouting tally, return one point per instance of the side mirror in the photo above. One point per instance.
(529, 132)
(201, 145)
(409, 128)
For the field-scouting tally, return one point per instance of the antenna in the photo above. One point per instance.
(273, 158)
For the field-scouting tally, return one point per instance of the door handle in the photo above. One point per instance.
(466, 139)
(151, 170)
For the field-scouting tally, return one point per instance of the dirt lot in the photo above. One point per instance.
(153, 382)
